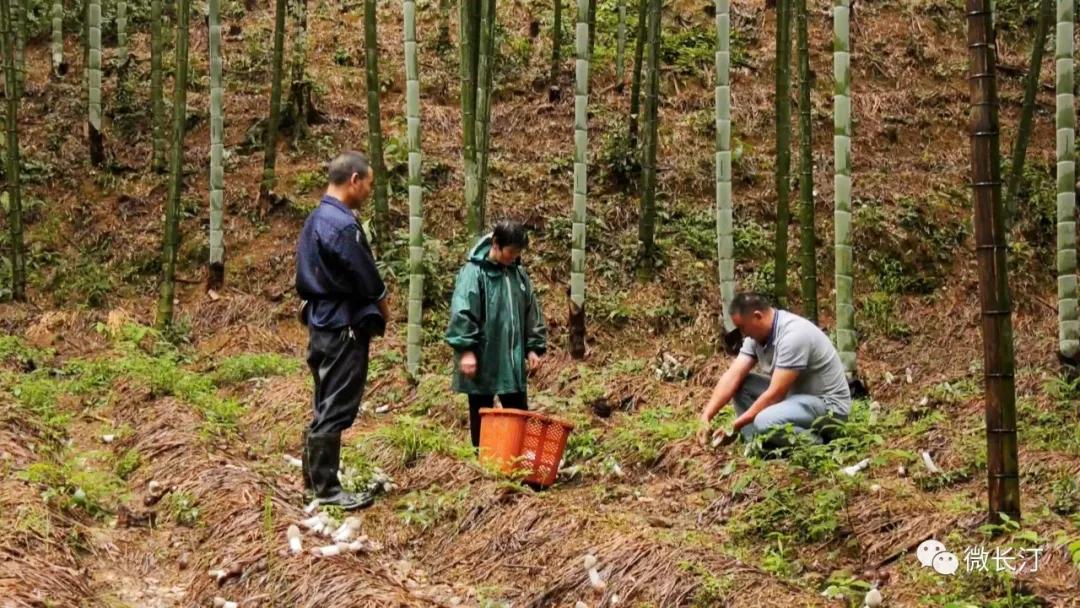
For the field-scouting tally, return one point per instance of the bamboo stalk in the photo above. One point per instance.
(15, 225)
(300, 86)
(581, 171)
(58, 37)
(807, 237)
(991, 254)
(416, 190)
(176, 169)
(725, 222)
(592, 26)
(20, 47)
(635, 83)
(121, 33)
(846, 338)
(620, 50)
(470, 48)
(97, 145)
(554, 91)
(1068, 319)
(266, 186)
(157, 103)
(647, 225)
(216, 270)
(484, 80)
(783, 148)
(374, 116)
(1027, 112)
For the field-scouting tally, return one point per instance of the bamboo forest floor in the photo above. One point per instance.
(135, 462)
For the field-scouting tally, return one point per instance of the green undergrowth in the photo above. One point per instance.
(83, 480)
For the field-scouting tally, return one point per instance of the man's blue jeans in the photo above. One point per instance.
(805, 413)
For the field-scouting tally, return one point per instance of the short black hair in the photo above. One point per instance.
(346, 164)
(747, 303)
(510, 233)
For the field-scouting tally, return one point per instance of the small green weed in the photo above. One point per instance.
(243, 367)
(182, 508)
(128, 464)
(83, 481)
(414, 438)
(428, 508)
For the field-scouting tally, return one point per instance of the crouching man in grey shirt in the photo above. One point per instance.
(801, 381)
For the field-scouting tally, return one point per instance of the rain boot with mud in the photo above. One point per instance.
(324, 455)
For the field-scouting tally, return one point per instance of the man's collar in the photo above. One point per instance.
(334, 202)
(772, 332)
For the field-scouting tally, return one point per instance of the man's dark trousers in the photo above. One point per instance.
(338, 359)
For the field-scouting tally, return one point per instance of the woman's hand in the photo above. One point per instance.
(468, 364)
(535, 361)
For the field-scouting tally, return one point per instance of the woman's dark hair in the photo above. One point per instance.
(510, 233)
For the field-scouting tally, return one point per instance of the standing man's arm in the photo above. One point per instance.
(725, 391)
(358, 263)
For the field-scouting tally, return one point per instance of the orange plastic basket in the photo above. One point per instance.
(520, 441)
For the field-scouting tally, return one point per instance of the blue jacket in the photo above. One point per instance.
(336, 273)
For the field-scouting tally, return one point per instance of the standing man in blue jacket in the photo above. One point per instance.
(345, 305)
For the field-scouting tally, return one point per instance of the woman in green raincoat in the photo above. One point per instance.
(497, 329)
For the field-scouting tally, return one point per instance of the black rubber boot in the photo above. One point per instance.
(324, 453)
(305, 469)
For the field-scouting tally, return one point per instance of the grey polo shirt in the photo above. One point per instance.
(796, 343)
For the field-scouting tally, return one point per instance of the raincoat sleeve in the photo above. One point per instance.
(466, 311)
(535, 325)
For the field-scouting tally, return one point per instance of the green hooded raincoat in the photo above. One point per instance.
(495, 314)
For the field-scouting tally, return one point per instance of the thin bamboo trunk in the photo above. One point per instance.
(216, 269)
(266, 187)
(96, 142)
(846, 339)
(620, 47)
(592, 26)
(58, 64)
(375, 137)
(416, 190)
(554, 91)
(470, 49)
(15, 226)
(1068, 320)
(647, 225)
(807, 237)
(485, 72)
(444, 25)
(300, 86)
(635, 83)
(176, 169)
(783, 148)
(991, 243)
(1027, 112)
(121, 33)
(20, 47)
(581, 172)
(157, 102)
(725, 222)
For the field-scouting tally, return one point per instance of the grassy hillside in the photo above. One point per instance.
(207, 410)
